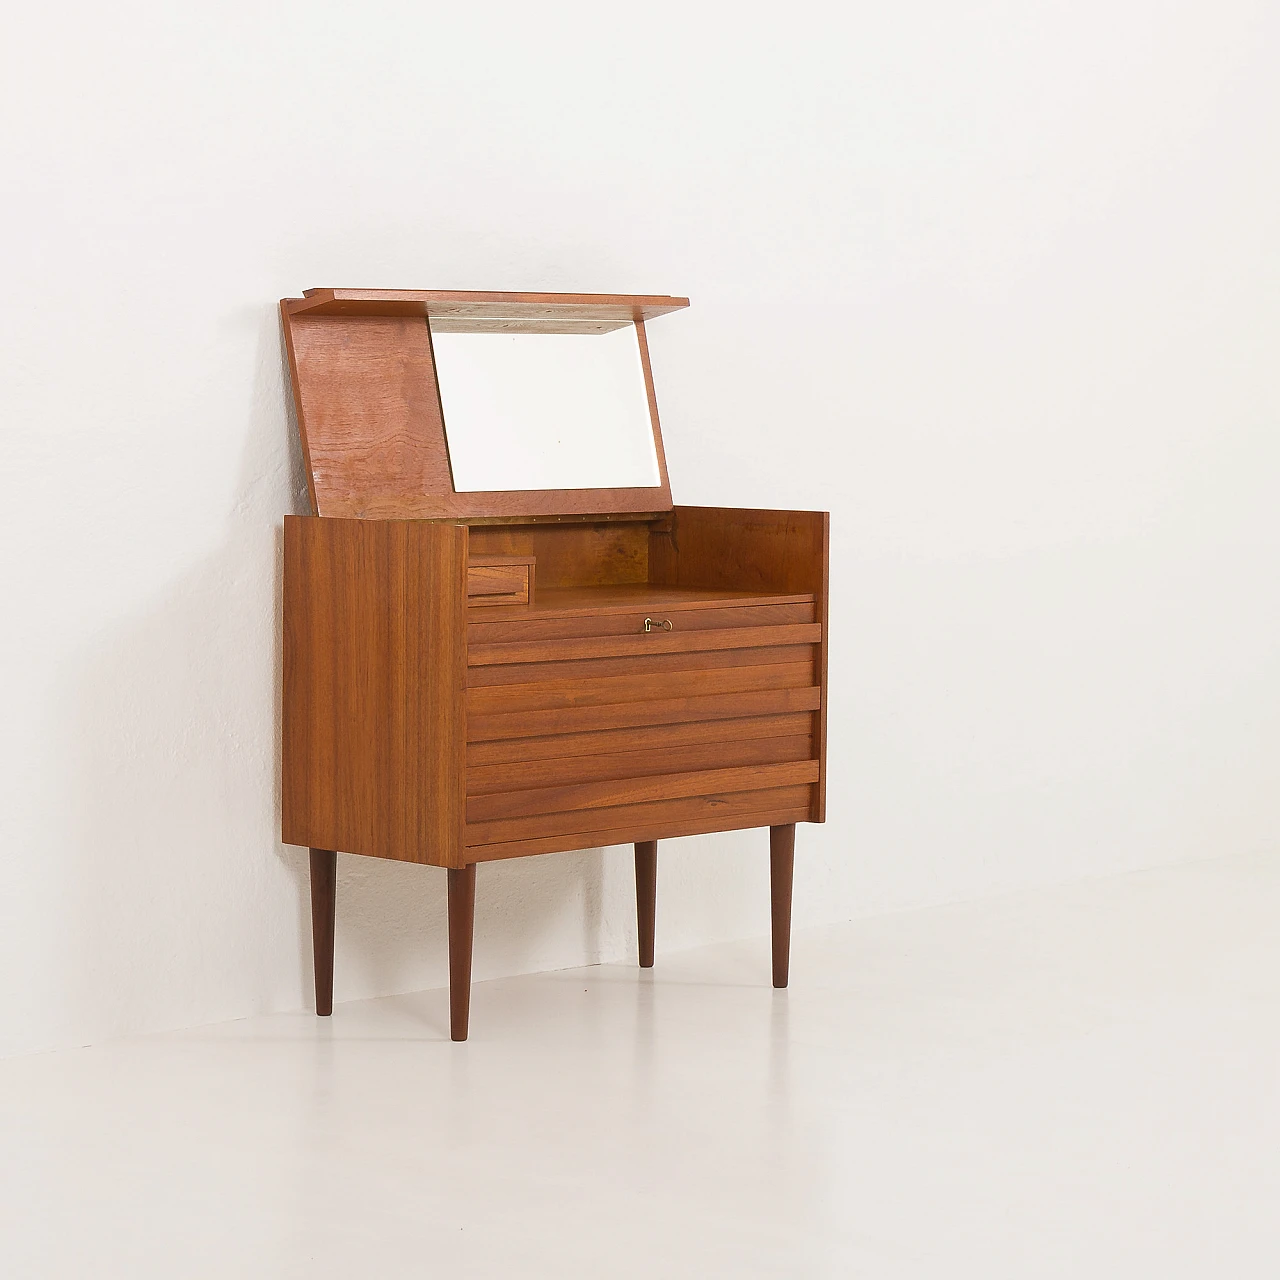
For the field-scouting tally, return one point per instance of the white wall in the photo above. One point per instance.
(1000, 279)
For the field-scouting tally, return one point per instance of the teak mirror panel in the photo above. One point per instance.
(480, 674)
(369, 400)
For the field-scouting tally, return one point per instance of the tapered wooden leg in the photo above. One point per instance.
(782, 857)
(324, 898)
(462, 917)
(646, 898)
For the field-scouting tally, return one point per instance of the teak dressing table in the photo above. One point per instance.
(479, 675)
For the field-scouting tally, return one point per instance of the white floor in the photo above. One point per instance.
(1083, 1083)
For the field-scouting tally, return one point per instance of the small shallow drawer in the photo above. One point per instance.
(500, 580)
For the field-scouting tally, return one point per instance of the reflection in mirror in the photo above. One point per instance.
(545, 410)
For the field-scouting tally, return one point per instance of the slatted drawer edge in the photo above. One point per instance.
(642, 762)
(695, 809)
(561, 746)
(617, 715)
(641, 645)
(646, 830)
(653, 788)
(549, 625)
(600, 691)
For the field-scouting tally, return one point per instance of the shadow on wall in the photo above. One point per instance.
(188, 909)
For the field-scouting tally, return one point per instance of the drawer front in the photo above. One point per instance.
(631, 623)
(744, 808)
(641, 645)
(576, 738)
(498, 580)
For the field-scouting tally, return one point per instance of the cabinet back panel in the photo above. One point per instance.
(571, 555)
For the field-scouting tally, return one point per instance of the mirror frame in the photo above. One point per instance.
(368, 402)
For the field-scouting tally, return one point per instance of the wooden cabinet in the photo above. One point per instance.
(472, 676)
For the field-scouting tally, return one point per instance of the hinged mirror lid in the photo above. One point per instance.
(457, 312)
(368, 395)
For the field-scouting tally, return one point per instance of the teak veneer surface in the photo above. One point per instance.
(641, 644)
(578, 554)
(574, 707)
(708, 818)
(527, 775)
(373, 702)
(500, 580)
(629, 597)
(569, 691)
(692, 811)
(673, 663)
(571, 676)
(761, 550)
(625, 715)
(656, 787)
(781, 724)
(369, 413)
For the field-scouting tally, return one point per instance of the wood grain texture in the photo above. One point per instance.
(642, 737)
(580, 554)
(563, 613)
(605, 599)
(578, 691)
(635, 715)
(592, 681)
(637, 818)
(740, 550)
(373, 700)
(621, 791)
(462, 918)
(782, 854)
(324, 897)
(369, 414)
(642, 644)
(646, 899)
(526, 775)
(518, 506)
(760, 550)
(500, 580)
(657, 663)
(650, 827)
(496, 586)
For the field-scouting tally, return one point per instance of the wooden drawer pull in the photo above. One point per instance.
(657, 624)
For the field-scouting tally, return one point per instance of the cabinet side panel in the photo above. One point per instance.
(736, 549)
(740, 549)
(374, 670)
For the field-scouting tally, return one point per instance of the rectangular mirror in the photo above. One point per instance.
(545, 410)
